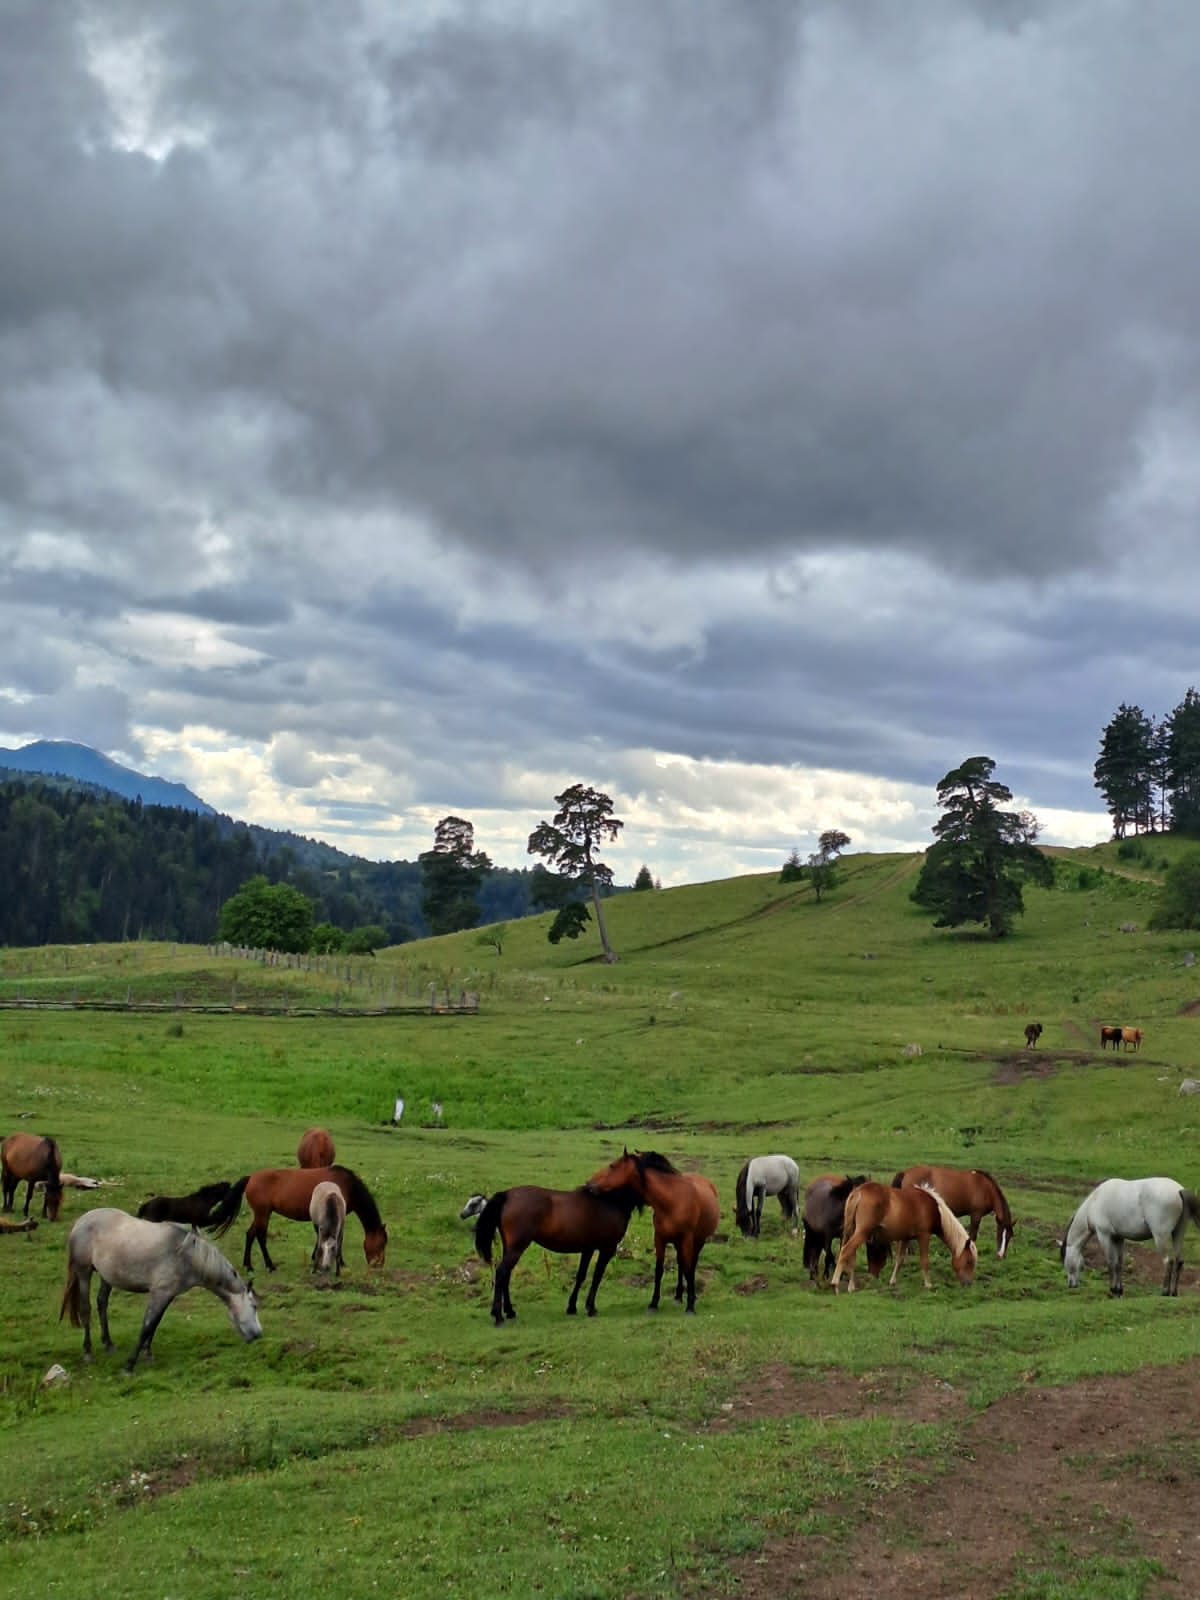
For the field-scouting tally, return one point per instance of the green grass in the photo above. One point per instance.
(382, 1434)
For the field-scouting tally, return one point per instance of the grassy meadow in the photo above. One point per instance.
(383, 1437)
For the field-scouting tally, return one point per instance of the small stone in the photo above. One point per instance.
(56, 1375)
(1190, 1086)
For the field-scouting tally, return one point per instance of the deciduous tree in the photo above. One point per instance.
(982, 854)
(822, 863)
(268, 916)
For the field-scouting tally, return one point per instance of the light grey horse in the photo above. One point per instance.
(759, 1177)
(158, 1259)
(1131, 1208)
(327, 1212)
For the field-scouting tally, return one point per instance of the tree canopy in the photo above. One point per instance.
(451, 876)
(982, 854)
(583, 823)
(822, 863)
(268, 916)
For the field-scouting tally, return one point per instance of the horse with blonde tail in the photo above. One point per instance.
(878, 1214)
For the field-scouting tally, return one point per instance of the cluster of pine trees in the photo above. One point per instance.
(80, 866)
(1149, 771)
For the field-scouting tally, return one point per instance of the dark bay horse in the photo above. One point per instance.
(561, 1220)
(1033, 1032)
(32, 1158)
(194, 1209)
(288, 1191)
(1111, 1036)
(158, 1259)
(686, 1212)
(824, 1216)
(316, 1149)
(879, 1212)
(969, 1193)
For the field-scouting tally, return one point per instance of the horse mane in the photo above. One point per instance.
(843, 1188)
(360, 1201)
(626, 1199)
(655, 1162)
(212, 1264)
(55, 1164)
(954, 1235)
(1006, 1219)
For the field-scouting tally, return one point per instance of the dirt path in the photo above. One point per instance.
(1042, 1479)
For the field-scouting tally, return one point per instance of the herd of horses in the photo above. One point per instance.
(162, 1252)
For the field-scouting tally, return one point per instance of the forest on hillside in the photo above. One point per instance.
(81, 866)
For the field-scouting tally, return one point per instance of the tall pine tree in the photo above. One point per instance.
(1125, 770)
(1183, 764)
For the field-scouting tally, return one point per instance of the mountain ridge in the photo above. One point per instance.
(81, 763)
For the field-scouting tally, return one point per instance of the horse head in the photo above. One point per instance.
(375, 1245)
(966, 1261)
(242, 1306)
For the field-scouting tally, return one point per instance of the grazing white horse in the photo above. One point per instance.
(327, 1212)
(1131, 1208)
(759, 1177)
(158, 1259)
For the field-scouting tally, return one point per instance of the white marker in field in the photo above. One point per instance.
(399, 1111)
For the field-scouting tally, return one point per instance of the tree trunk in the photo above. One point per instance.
(610, 954)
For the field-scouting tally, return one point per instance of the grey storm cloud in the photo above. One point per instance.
(386, 344)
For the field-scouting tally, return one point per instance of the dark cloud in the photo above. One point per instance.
(358, 366)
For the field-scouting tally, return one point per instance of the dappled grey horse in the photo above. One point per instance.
(327, 1212)
(158, 1259)
(1131, 1208)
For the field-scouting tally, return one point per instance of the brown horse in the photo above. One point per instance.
(288, 1191)
(1131, 1038)
(316, 1149)
(1033, 1032)
(972, 1194)
(1111, 1036)
(686, 1211)
(824, 1215)
(879, 1213)
(30, 1157)
(561, 1220)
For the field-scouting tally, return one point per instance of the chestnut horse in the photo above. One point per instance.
(879, 1213)
(561, 1220)
(1131, 1038)
(316, 1149)
(1111, 1036)
(972, 1194)
(686, 1211)
(288, 1191)
(30, 1157)
(824, 1217)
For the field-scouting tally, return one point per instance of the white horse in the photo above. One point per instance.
(158, 1259)
(1137, 1208)
(759, 1177)
(327, 1212)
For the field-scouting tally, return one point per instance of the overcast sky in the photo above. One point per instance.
(750, 409)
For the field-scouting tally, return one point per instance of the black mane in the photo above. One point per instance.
(626, 1200)
(655, 1162)
(360, 1201)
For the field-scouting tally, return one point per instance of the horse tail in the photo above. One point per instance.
(70, 1300)
(898, 1180)
(488, 1224)
(1191, 1205)
(740, 1207)
(222, 1219)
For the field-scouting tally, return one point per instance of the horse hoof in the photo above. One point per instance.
(88, 1357)
(651, 1308)
(571, 1311)
(689, 1311)
(591, 1311)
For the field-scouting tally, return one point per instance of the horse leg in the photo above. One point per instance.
(846, 1257)
(102, 1295)
(923, 1244)
(688, 1259)
(660, 1250)
(602, 1260)
(973, 1230)
(154, 1314)
(901, 1247)
(679, 1272)
(84, 1278)
(1114, 1251)
(585, 1261)
(502, 1305)
(28, 1196)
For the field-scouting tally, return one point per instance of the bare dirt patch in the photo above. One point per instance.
(1108, 1466)
(1023, 1064)
(778, 1391)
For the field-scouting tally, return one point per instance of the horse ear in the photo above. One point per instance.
(626, 1150)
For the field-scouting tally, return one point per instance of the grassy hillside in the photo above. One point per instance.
(383, 1434)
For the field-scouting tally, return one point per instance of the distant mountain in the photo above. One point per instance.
(61, 758)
